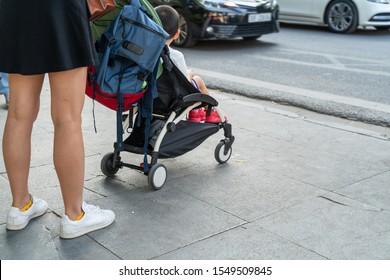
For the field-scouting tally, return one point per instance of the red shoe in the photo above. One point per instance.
(213, 117)
(197, 115)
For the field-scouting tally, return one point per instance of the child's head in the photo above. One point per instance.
(169, 19)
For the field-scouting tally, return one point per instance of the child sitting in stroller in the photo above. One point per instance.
(170, 23)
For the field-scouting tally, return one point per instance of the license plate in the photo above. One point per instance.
(259, 17)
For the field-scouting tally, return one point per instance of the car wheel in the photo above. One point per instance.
(382, 27)
(342, 16)
(186, 37)
(251, 38)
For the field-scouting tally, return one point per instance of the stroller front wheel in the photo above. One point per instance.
(107, 165)
(221, 153)
(157, 176)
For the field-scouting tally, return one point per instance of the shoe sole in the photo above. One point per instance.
(22, 226)
(85, 231)
(213, 120)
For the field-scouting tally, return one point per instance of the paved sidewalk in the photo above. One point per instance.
(298, 186)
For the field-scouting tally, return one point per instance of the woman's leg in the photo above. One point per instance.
(23, 111)
(67, 101)
(68, 94)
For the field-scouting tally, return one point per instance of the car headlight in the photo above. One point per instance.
(380, 1)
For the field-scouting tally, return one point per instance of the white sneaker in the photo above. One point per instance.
(94, 218)
(17, 219)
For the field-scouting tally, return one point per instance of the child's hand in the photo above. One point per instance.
(191, 74)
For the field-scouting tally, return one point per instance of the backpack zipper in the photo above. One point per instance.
(143, 26)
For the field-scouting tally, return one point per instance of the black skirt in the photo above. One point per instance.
(43, 36)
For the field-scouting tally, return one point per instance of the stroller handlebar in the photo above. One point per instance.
(200, 97)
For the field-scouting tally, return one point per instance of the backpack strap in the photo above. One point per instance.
(119, 110)
(149, 8)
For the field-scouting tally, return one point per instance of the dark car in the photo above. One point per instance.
(206, 19)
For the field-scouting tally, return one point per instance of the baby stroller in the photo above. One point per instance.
(130, 51)
(171, 135)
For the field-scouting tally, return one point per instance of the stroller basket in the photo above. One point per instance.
(186, 137)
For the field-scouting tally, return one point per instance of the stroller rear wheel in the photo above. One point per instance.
(221, 154)
(157, 176)
(107, 165)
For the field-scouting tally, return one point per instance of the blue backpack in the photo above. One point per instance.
(128, 52)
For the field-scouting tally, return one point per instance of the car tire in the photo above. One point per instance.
(341, 16)
(186, 37)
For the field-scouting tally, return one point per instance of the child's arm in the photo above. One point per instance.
(191, 74)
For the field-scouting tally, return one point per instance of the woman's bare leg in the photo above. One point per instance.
(67, 101)
(23, 111)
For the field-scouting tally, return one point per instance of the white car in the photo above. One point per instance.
(341, 16)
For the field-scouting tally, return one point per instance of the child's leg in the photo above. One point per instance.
(200, 84)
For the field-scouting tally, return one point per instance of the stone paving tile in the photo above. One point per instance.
(373, 191)
(233, 188)
(162, 222)
(335, 227)
(246, 242)
(33, 243)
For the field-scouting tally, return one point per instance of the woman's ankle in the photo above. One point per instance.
(22, 202)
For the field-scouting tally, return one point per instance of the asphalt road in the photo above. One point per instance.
(342, 75)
